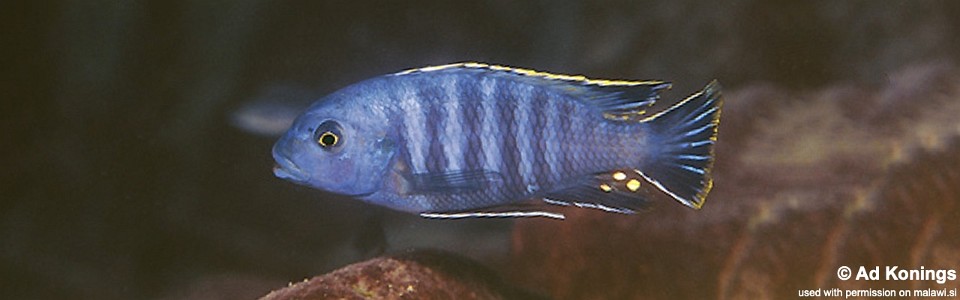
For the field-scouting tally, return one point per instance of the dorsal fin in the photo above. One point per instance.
(616, 99)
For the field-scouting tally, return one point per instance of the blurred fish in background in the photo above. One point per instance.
(126, 177)
(272, 110)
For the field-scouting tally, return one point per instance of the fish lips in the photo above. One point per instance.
(285, 169)
(291, 172)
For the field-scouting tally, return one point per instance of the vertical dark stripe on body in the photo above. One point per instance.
(541, 167)
(470, 116)
(509, 153)
(564, 139)
(451, 131)
(549, 133)
(582, 139)
(429, 94)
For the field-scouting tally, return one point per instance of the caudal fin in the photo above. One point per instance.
(681, 148)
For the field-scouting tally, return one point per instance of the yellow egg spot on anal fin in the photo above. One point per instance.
(618, 176)
(633, 185)
(605, 187)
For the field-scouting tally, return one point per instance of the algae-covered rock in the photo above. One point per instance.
(415, 275)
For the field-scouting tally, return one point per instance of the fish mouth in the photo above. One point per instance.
(289, 171)
(286, 169)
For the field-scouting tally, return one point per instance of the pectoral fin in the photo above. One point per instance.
(452, 181)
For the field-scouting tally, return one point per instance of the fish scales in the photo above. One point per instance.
(516, 111)
(414, 125)
(430, 147)
(526, 137)
(453, 138)
(540, 166)
(490, 124)
(515, 107)
(551, 152)
(469, 139)
(471, 112)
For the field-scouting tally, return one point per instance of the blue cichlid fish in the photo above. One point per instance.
(478, 140)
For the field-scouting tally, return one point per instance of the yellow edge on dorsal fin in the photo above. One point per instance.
(531, 73)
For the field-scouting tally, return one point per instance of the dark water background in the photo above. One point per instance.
(123, 177)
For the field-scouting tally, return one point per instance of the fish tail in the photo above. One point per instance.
(680, 160)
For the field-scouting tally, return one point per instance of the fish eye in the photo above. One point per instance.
(328, 139)
(328, 135)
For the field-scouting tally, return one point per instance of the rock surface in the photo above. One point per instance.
(845, 176)
(416, 275)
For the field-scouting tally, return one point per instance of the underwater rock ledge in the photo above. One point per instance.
(806, 182)
(421, 274)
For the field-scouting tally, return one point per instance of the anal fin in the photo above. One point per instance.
(493, 214)
(592, 205)
(523, 209)
(615, 191)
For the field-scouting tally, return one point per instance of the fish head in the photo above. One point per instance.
(337, 145)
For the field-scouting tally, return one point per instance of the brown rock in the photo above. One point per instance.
(843, 176)
(415, 275)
